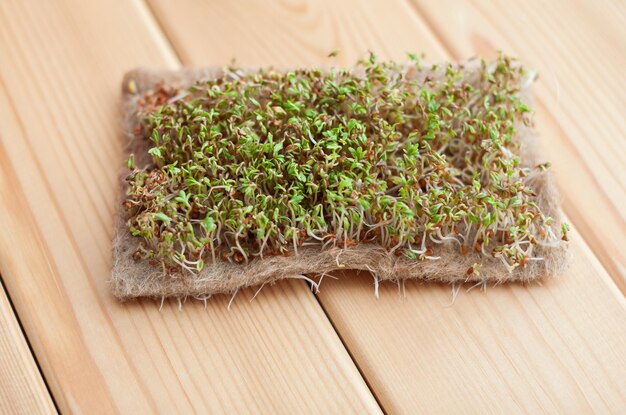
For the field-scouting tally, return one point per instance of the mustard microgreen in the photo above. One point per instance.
(253, 164)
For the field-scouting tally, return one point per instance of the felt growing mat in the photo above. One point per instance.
(244, 177)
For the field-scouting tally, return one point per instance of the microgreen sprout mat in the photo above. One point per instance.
(243, 177)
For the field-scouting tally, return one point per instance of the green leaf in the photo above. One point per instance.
(155, 152)
(163, 217)
(515, 202)
(130, 163)
(208, 223)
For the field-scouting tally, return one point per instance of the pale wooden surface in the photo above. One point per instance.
(554, 348)
(22, 389)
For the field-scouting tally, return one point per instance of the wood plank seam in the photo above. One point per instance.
(352, 357)
(30, 348)
(48, 394)
(154, 24)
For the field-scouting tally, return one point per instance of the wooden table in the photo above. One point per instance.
(66, 345)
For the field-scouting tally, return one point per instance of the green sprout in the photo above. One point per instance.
(255, 164)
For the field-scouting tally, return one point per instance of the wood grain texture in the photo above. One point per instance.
(22, 389)
(554, 347)
(291, 33)
(60, 145)
(551, 348)
(579, 50)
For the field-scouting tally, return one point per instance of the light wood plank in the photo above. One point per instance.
(555, 347)
(551, 348)
(60, 148)
(22, 389)
(288, 34)
(578, 48)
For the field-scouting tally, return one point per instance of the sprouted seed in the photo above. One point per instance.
(254, 164)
